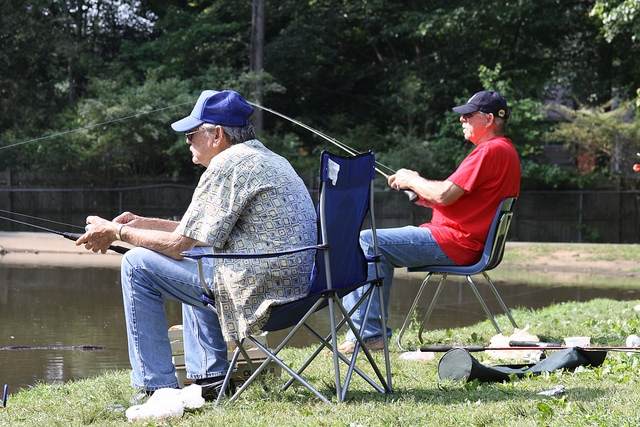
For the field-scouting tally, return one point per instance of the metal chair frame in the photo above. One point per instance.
(490, 259)
(330, 296)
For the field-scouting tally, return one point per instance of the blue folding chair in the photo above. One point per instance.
(345, 201)
(490, 259)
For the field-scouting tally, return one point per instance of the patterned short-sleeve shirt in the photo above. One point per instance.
(251, 200)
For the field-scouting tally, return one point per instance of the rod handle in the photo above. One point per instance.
(115, 248)
(445, 348)
(413, 197)
(533, 344)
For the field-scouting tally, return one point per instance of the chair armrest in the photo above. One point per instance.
(252, 255)
(373, 258)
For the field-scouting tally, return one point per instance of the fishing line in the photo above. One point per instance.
(41, 219)
(93, 126)
(65, 234)
(410, 194)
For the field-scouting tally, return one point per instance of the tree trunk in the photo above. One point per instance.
(257, 57)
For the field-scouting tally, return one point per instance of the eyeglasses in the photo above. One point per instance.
(189, 135)
(467, 116)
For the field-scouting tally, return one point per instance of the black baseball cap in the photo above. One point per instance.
(486, 101)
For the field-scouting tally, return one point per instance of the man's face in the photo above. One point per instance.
(204, 146)
(475, 126)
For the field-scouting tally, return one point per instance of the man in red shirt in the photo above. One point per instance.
(463, 206)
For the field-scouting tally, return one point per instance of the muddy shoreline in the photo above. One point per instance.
(48, 249)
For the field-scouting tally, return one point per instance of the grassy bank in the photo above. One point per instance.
(603, 396)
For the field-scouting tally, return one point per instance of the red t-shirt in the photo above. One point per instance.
(489, 174)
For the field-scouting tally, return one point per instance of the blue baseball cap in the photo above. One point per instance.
(486, 101)
(226, 108)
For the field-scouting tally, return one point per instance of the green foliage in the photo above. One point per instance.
(601, 138)
(126, 131)
(619, 18)
(380, 75)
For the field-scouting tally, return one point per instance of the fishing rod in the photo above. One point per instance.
(65, 234)
(554, 346)
(410, 194)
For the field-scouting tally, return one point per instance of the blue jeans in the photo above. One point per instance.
(400, 247)
(148, 278)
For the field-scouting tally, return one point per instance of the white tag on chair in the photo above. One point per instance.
(333, 168)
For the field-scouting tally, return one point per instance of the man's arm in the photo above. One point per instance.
(136, 221)
(432, 192)
(102, 234)
(170, 244)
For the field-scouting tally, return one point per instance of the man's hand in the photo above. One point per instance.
(128, 218)
(401, 180)
(99, 235)
(430, 192)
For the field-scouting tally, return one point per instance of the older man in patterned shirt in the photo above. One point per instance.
(248, 200)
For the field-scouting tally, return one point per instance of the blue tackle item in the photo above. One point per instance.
(5, 393)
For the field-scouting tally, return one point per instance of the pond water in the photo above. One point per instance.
(64, 307)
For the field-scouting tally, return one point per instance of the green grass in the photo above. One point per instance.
(604, 396)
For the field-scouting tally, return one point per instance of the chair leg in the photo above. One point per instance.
(405, 324)
(484, 305)
(500, 300)
(227, 377)
(240, 350)
(385, 338)
(271, 356)
(334, 347)
(431, 307)
(326, 342)
(361, 345)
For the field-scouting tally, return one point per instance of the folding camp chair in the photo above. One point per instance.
(491, 258)
(345, 200)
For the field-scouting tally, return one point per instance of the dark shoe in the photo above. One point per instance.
(211, 387)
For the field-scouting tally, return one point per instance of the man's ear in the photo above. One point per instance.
(217, 134)
(491, 118)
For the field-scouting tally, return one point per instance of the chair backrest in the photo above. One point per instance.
(497, 238)
(345, 200)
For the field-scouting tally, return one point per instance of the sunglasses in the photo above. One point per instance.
(189, 135)
(469, 115)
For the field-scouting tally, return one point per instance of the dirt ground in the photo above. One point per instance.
(593, 259)
(613, 260)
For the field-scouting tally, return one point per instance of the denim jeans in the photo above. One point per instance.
(400, 247)
(148, 278)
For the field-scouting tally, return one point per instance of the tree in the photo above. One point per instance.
(378, 75)
(620, 18)
(601, 139)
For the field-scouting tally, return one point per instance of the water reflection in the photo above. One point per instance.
(59, 306)
(62, 306)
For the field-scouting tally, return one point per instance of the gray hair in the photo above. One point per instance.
(235, 134)
(501, 123)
